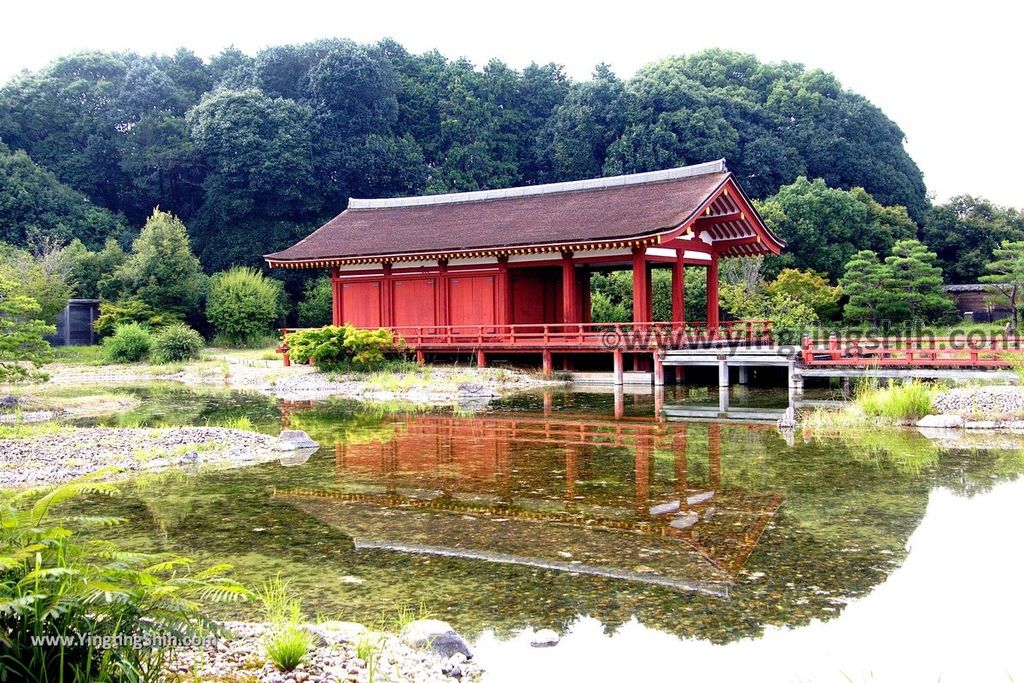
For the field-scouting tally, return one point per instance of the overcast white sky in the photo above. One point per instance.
(948, 74)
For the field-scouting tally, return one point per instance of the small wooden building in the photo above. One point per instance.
(506, 271)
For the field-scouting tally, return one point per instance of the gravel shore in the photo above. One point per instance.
(333, 659)
(434, 385)
(983, 402)
(70, 452)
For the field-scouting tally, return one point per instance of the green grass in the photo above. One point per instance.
(242, 423)
(30, 430)
(80, 355)
(909, 401)
(288, 646)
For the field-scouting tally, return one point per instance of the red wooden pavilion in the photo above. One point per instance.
(508, 271)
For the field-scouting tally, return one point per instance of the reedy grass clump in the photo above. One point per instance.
(289, 643)
(908, 401)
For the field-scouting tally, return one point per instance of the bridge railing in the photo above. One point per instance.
(986, 351)
(571, 336)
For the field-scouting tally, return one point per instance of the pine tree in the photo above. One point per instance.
(916, 284)
(863, 281)
(1006, 281)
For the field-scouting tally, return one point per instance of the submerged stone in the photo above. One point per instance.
(941, 421)
(664, 508)
(684, 520)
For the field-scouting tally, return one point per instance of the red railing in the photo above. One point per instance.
(964, 351)
(583, 336)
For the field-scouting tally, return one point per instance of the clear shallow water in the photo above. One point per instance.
(880, 558)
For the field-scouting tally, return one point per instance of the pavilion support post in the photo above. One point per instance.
(567, 363)
(443, 318)
(641, 293)
(713, 294)
(570, 300)
(659, 369)
(680, 375)
(503, 293)
(481, 358)
(336, 312)
(617, 367)
(386, 297)
(545, 362)
(723, 373)
(678, 291)
(421, 358)
(744, 374)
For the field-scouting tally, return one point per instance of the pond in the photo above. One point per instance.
(655, 545)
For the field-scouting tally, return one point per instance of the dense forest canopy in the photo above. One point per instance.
(253, 152)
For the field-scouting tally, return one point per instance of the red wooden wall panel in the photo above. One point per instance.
(471, 300)
(415, 302)
(360, 303)
(536, 296)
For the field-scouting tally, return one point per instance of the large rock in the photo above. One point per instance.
(293, 440)
(334, 632)
(435, 635)
(941, 422)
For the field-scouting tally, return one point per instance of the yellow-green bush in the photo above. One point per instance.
(332, 346)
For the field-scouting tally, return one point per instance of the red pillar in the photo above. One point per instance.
(714, 455)
(503, 292)
(481, 359)
(679, 452)
(678, 290)
(545, 357)
(659, 370)
(336, 312)
(442, 293)
(570, 300)
(713, 292)
(386, 298)
(641, 293)
(642, 469)
(617, 366)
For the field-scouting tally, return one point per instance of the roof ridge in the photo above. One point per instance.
(548, 188)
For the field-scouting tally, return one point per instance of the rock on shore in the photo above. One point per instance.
(53, 458)
(332, 660)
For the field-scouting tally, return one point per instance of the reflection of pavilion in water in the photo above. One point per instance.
(623, 499)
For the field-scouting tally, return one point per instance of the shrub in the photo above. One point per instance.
(242, 304)
(130, 343)
(176, 343)
(333, 346)
(130, 310)
(74, 593)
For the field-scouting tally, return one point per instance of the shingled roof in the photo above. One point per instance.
(598, 212)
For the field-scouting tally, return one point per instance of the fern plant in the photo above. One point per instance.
(78, 610)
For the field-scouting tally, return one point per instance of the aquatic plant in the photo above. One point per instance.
(74, 610)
